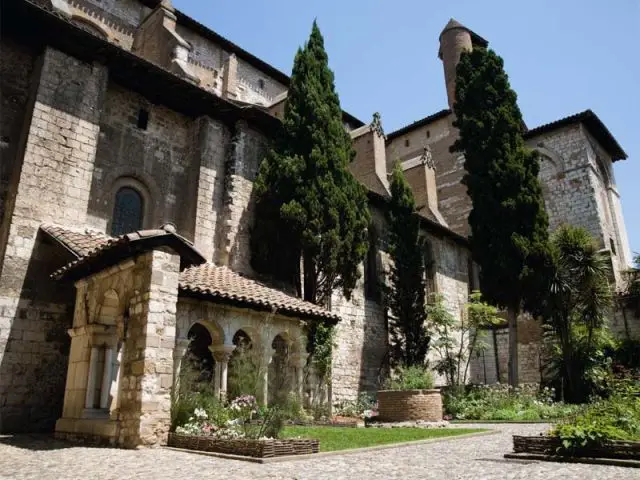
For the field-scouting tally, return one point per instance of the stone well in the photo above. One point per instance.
(403, 405)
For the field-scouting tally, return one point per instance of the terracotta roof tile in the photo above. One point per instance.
(80, 243)
(207, 279)
(225, 284)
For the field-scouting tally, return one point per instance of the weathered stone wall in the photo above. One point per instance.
(156, 158)
(53, 186)
(16, 69)
(245, 153)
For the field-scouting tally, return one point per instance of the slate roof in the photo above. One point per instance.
(222, 283)
(95, 251)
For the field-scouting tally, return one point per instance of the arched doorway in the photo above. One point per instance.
(244, 368)
(199, 359)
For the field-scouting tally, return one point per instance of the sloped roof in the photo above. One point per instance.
(223, 284)
(475, 38)
(595, 126)
(95, 251)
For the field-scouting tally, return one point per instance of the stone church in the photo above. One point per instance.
(130, 135)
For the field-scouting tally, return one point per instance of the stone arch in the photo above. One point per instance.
(133, 184)
(91, 26)
(552, 157)
(110, 308)
(280, 370)
(199, 355)
(136, 178)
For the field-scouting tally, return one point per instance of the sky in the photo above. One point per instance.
(562, 57)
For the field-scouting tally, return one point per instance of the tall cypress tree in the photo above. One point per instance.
(406, 294)
(309, 208)
(509, 226)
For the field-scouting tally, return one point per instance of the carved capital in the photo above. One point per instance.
(222, 353)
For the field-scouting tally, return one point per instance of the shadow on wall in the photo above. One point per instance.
(33, 368)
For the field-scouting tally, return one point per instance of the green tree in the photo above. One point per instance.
(579, 298)
(406, 294)
(311, 214)
(508, 221)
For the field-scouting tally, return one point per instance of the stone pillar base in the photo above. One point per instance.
(90, 431)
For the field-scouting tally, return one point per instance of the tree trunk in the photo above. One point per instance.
(512, 316)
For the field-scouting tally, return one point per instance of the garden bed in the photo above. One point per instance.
(548, 445)
(266, 448)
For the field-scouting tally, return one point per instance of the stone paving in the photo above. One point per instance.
(32, 457)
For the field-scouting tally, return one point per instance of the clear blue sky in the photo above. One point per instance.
(562, 56)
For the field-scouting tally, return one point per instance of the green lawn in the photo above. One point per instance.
(343, 438)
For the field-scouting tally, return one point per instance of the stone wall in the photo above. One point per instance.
(155, 158)
(16, 69)
(247, 149)
(53, 186)
(129, 311)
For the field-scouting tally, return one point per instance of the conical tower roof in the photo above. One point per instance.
(475, 38)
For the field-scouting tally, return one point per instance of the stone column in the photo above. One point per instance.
(266, 361)
(91, 381)
(107, 374)
(299, 360)
(178, 354)
(222, 354)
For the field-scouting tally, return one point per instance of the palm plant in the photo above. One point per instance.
(575, 313)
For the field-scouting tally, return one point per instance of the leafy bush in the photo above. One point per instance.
(502, 402)
(364, 406)
(411, 378)
(616, 418)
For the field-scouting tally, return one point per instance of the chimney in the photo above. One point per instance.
(369, 166)
(420, 172)
(230, 77)
(455, 39)
(156, 40)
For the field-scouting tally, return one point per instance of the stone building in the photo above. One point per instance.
(130, 138)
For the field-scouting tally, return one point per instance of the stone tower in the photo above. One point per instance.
(455, 39)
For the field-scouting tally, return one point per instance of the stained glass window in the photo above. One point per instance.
(127, 212)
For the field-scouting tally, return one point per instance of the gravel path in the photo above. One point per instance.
(32, 457)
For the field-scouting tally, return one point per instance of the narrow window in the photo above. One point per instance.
(127, 212)
(261, 84)
(406, 142)
(428, 134)
(143, 119)
(613, 246)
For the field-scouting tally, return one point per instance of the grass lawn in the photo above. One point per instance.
(343, 438)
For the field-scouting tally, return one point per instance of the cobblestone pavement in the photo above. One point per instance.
(33, 457)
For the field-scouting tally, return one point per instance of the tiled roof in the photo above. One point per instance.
(80, 243)
(595, 126)
(224, 284)
(96, 250)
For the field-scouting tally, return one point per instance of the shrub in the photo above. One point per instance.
(363, 406)
(502, 402)
(616, 418)
(411, 378)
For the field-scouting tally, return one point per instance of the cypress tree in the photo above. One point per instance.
(309, 208)
(406, 294)
(509, 226)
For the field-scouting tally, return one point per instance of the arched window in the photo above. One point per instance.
(127, 211)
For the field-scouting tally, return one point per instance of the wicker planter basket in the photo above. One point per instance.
(245, 447)
(546, 445)
(407, 405)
